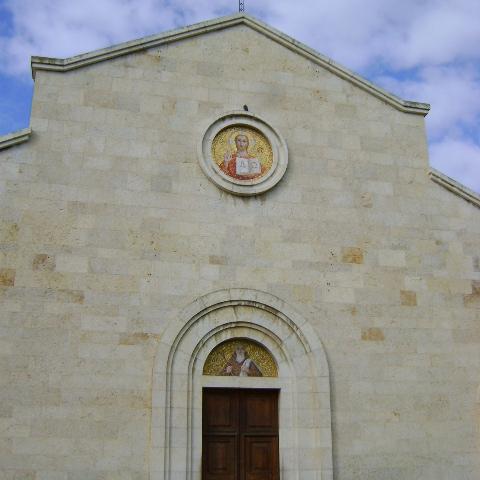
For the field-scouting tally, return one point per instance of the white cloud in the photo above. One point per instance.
(459, 159)
(453, 92)
(443, 32)
(403, 34)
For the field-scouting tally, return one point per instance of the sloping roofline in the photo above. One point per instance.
(78, 61)
(15, 138)
(454, 187)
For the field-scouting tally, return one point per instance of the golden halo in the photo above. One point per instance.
(251, 139)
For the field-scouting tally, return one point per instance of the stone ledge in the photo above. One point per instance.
(78, 61)
(15, 138)
(454, 187)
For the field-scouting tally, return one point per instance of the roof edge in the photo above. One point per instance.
(454, 187)
(15, 138)
(78, 61)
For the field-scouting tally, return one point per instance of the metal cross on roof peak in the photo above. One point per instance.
(241, 5)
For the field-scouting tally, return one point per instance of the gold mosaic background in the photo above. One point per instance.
(259, 146)
(222, 353)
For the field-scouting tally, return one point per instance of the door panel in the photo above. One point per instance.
(259, 411)
(220, 462)
(220, 411)
(240, 434)
(260, 457)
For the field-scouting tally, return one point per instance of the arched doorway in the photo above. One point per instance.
(305, 443)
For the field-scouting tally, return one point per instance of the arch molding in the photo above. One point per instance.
(305, 438)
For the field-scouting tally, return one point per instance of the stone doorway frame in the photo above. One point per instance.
(305, 435)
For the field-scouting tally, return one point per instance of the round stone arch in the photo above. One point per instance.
(305, 439)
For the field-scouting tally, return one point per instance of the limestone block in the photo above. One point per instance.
(7, 277)
(391, 258)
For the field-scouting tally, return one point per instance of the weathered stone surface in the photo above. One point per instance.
(373, 334)
(42, 261)
(408, 298)
(474, 297)
(7, 277)
(352, 255)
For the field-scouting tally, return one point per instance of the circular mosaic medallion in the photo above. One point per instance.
(242, 154)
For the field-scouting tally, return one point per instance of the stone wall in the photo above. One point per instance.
(109, 228)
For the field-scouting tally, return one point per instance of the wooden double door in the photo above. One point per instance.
(240, 434)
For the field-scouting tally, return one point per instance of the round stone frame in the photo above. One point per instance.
(244, 187)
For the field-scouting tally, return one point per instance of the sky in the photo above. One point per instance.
(420, 50)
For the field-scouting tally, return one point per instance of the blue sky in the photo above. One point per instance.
(423, 50)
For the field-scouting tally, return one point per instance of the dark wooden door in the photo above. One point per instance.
(240, 434)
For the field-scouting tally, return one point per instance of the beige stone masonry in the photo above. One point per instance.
(112, 239)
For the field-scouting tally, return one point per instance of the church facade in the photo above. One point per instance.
(224, 256)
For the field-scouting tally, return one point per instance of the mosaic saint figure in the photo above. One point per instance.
(240, 365)
(240, 164)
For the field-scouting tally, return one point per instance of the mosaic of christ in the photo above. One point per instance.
(242, 153)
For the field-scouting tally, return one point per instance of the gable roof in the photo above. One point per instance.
(78, 61)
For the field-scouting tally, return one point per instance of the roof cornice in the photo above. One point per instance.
(454, 187)
(15, 138)
(78, 61)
